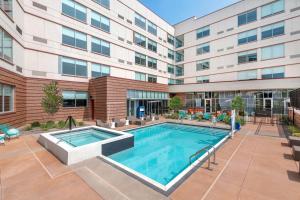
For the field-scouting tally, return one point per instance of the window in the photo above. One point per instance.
(179, 71)
(140, 76)
(100, 70)
(6, 46)
(171, 54)
(140, 21)
(171, 40)
(152, 46)
(152, 79)
(152, 63)
(99, 21)
(100, 46)
(203, 32)
(202, 79)
(272, 73)
(202, 65)
(271, 52)
(104, 3)
(247, 17)
(175, 81)
(7, 7)
(73, 67)
(179, 56)
(247, 56)
(272, 30)
(247, 75)
(74, 38)
(152, 28)
(203, 48)
(272, 8)
(72, 99)
(139, 39)
(248, 36)
(171, 69)
(74, 10)
(6, 98)
(140, 59)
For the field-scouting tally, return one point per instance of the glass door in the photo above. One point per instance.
(208, 106)
(268, 103)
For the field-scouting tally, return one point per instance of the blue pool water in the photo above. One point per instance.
(83, 137)
(162, 151)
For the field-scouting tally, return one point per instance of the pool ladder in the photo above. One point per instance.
(206, 149)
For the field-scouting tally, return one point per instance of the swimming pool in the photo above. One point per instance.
(84, 137)
(161, 152)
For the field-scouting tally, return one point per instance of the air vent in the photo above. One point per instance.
(220, 50)
(160, 38)
(160, 55)
(129, 21)
(38, 73)
(38, 39)
(129, 63)
(220, 32)
(221, 67)
(40, 6)
(19, 29)
(120, 16)
(230, 29)
(165, 56)
(295, 9)
(121, 39)
(165, 41)
(19, 69)
(295, 56)
(230, 66)
(295, 32)
(128, 42)
(228, 48)
(121, 61)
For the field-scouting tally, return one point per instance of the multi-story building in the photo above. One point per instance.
(110, 56)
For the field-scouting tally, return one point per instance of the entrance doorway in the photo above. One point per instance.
(208, 105)
(268, 103)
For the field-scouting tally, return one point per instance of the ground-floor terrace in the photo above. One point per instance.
(255, 164)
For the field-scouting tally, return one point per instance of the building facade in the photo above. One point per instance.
(111, 56)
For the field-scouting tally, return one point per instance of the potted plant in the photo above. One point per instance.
(238, 105)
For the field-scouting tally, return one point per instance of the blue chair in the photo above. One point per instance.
(207, 116)
(2, 141)
(9, 132)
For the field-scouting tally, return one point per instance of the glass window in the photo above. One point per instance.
(100, 21)
(271, 52)
(100, 46)
(73, 67)
(152, 79)
(140, 76)
(272, 30)
(248, 36)
(272, 73)
(179, 71)
(152, 63)
(179, 56)
(247, 17)
(99, 70)
(171, 39)
(104, 3)
(6, 46)
(203, 32)
(140, 59)
(74, 10)
(247, 75)
(6, 98)
(248, 56)
(140, 21)
(74, 99)
(139, 39)
(152, 46)
(74, 38)
(7, 7)
(171, 54)
(202, 65)
(171, 69)
(272, 8)
(202, 79)
(203, 48)
(152, 28)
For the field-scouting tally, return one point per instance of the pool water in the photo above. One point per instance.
(83, 137)
(162, 151)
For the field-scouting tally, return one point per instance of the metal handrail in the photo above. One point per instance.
(207, 148)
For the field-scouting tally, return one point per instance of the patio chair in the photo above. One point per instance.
(207, 116)
(102, 124)
(2, 137)
(9, 132)
(182, 114)
(119, 123)
(221, 117)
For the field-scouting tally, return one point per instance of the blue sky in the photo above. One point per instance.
(174, 11)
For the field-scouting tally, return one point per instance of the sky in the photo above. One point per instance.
(174, 11)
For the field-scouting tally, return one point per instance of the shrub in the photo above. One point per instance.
(52, 99)
(44, 127)
(294, 130)
(172, 116)
(175, 103)
(28, 128)
(35, 124)
(61, 124)
(238, 104)
(227, 119)
(50, 124)
(80, 123)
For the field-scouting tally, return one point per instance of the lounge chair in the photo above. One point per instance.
(182, 114)
(207, 116)
(119, 123)
(2, 137)
(102, 124)
(9, 132)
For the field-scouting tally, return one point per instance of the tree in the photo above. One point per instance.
(175, 103)
(53, 99)
(238, 104)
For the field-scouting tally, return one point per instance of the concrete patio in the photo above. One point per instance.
(249, 166)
